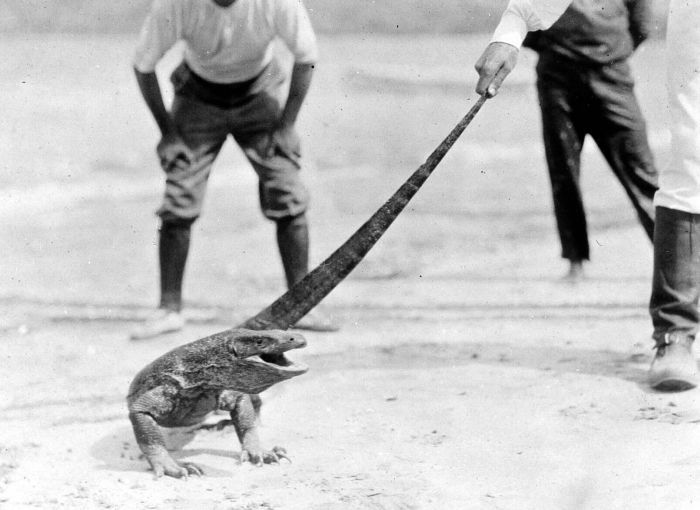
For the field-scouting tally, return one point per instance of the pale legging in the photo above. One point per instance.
(679, 181)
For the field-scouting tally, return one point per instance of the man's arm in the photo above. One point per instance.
(284, 137)
(150, 90)
(172, 150)
(641, 22)
(161, 29)
(300, 82)
(293, 26)
(501, 55)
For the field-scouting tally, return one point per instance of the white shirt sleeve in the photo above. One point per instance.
(293, 26)
(160, 31)
(523, 16)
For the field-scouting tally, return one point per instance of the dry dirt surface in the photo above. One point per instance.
(466, 375)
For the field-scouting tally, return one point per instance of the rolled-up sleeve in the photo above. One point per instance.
(293, 26)
(523, 16)
(160, 31)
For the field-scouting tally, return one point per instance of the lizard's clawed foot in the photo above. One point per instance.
(258, 458)
(163, 465)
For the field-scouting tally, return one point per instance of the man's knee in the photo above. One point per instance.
(180, 204)
(282, 199)
(168, 220)
(298, 221)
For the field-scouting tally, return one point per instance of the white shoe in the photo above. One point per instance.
(575, 274)
(160, 322)
(674, 367)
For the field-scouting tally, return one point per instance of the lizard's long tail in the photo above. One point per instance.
(316, 285)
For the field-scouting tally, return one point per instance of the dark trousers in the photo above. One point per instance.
(599, 101)
(676, 281)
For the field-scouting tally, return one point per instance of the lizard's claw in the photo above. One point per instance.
(279, 453)
(169, 467)
(260, 457)
(192, 468)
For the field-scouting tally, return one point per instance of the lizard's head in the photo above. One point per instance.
(269, 346)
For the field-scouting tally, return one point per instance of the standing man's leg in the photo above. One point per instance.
(620, 132)
(563, 134)
(203, 128)
(293, 244)
(674, 298)
(173, 247)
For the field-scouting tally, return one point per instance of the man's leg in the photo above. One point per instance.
(620, 132)
(563, 139)
(674, 299)
(293, 244)
(173, 247)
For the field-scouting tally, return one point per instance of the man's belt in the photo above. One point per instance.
(224, 95)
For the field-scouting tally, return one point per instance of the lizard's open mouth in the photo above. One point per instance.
(282, 363)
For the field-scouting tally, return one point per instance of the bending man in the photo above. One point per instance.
(229, 83)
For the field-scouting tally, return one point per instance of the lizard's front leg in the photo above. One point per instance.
(244, 417)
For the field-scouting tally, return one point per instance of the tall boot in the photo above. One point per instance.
(674, 299)
(173, 247)
(293, 243)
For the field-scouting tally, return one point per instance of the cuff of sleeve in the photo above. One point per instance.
(143, 62)
(143, 67)
(511, 30)
(306, 58)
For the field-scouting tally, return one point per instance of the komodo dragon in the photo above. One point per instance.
(180, 388)
(184, 385)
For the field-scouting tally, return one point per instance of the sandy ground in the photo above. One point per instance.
(466, 375)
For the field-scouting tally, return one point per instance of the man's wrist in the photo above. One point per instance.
(167, 128)
(285, 123)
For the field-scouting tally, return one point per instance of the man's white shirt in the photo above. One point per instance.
(225, 44)
(523, 16)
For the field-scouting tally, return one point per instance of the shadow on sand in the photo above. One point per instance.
(119, 452)
(632, 368)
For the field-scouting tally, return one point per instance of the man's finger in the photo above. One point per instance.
(497, 81)
(283, 148)
(497, 61)
(181, 161)
(184, 158)
(485, 76)
(188, 155)
(482, 86)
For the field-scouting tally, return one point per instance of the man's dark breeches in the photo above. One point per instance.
(576, 101)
